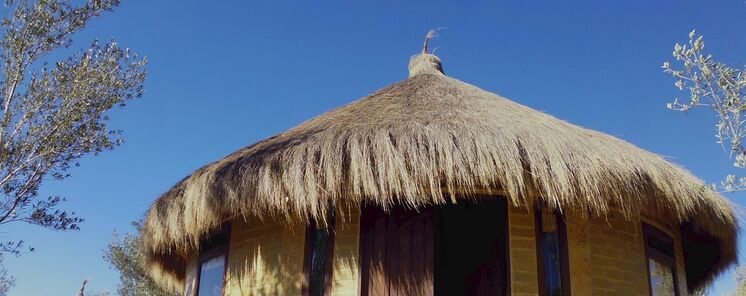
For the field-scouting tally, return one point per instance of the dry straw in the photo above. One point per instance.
(424, 141)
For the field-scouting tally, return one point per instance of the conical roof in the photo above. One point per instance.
(423, 141)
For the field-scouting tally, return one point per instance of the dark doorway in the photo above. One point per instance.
(455, 249)
(470, 248)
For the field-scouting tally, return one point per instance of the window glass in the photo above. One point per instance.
(319, 243)
(211, 277)
(659, 248)
(661, 278)
(550, 254)
(662, 244)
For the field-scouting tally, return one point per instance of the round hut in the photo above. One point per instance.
(434, 186)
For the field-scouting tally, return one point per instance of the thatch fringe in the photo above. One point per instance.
(424, 141)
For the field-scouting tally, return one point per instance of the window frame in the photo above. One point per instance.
(649, 231)
(328, 255)
(218, 245)
(563, 252)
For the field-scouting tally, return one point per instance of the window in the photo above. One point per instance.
(659, 249)
(318, 260)
(551, 239)
(211, 276)
(212, 265)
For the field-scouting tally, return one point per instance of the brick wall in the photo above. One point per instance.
(345, 278)
(607, 256)
(579, 252)
(523, 267)
(265, 258)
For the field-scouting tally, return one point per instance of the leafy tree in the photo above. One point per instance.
(740, 288)
(700, 292)
(664, 284)
(125, 254)
(716, 86)
(82, 291)
(6, 280)
(53, 112)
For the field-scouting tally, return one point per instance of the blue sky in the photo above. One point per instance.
(225, 74)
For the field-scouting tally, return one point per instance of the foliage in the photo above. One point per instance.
(719, 87)
(740, 288)
(713, 85)
(662, 278)
(125, 254)
(52, 113)
(82, 291)
(6, 280)
(700, 292)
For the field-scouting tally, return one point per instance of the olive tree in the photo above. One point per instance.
(53, 111)
(6, 280)
(713, 85)
(125, 254)
(740, 288)
(82, 291)
(718, 87)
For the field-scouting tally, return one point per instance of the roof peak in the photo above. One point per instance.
(426, 63)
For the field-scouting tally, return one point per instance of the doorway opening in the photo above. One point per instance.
(453, 249)
(470, 249)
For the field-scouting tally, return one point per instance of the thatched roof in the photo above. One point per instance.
(423, 141)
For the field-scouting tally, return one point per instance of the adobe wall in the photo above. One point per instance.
(606, 256)
(264, 258)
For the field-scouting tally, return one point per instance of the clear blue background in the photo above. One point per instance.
(225, 74)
